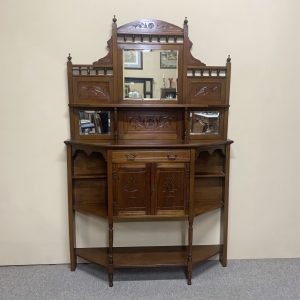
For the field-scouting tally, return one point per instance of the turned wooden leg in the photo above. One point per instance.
(110, 255)
(110, 279)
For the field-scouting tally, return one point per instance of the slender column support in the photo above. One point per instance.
(71, 212)
(190, 250)
(224, 211)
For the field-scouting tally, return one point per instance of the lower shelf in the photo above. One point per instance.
(159, 256)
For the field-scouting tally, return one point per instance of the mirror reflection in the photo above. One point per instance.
(93, 122)
(150, 74)
(205, 122)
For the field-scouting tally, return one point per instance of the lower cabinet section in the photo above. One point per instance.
(145, 184)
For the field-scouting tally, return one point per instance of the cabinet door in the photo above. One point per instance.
(131, 189)
(172, 181)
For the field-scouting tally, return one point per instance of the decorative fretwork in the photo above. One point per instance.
(151, 121)
(150, 38)
(150, 27)
(88, 70)
(207, 72)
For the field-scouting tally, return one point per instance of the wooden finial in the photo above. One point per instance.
(228, 59)
(114, 19)
(69, 57)
(185, 21)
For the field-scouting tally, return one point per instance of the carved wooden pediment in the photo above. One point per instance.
(148, 26)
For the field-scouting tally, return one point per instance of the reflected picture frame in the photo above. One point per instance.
(133, 59)
(168, 59)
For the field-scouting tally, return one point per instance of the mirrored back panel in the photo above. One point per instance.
(150, 74)
(94, 122)
(205, 123)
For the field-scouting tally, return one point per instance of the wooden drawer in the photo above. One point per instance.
(151, 156)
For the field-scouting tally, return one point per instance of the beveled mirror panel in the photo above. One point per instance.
(150, 74)
(205, 122)
(94, 122)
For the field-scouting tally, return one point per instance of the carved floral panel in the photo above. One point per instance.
(131, 189)
(151, 121)
(207, 92)
(93, 90)
(170, 189)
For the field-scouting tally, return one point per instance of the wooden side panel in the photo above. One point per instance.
(208, 194)
(171, 187)
(207, 91)
(92, 90)
(90, 196)
(131, 189)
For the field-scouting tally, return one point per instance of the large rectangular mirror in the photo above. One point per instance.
(150, 74)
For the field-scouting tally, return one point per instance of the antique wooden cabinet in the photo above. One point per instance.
(148, 142)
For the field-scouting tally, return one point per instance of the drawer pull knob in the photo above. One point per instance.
(130, 156)
(172, 156)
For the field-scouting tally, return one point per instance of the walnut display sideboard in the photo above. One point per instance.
(148, 142)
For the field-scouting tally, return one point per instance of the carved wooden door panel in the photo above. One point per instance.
(171, 187)
(131, 189)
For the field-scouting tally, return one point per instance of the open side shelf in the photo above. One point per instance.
(159, 256)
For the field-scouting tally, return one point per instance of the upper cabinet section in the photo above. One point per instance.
(149, 86)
